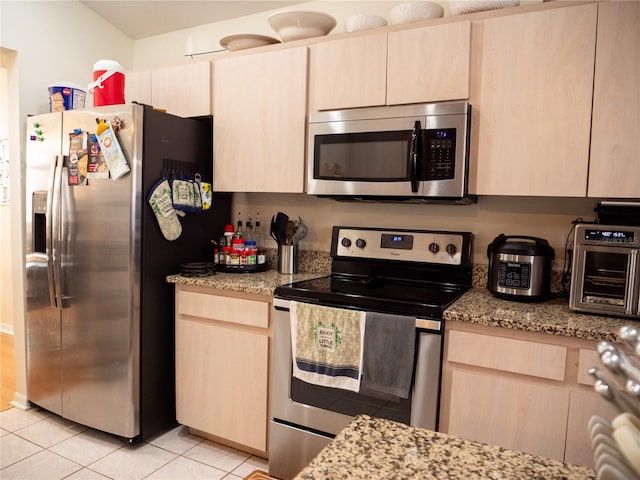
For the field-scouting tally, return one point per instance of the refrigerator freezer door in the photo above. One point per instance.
(100, 278)
(44, 143)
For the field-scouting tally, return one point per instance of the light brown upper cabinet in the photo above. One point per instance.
(259, 122)
(415, 65)
(534, 110)
(614, 168)
(348, 73)
(183, 90)
(137, 85)
(429, 64)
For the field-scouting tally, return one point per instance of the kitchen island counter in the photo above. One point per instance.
(372, 448)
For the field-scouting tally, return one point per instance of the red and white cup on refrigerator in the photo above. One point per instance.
(108, 83)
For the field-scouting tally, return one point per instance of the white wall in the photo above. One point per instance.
(175, 47)
(43, 42)
(57, 40)
(172, 47)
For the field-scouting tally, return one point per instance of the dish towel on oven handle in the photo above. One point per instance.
(327, 345)
(389, 350)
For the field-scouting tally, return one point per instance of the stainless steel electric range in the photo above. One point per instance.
(414, 273)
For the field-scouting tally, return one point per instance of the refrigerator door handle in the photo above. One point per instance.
(54, 235)
(49, 231)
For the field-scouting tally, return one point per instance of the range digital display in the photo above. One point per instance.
(396, 241)
(619, 236)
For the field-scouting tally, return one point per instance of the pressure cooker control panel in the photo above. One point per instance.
(401, 245)
(514, 274)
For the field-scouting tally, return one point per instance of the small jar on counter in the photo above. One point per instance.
(252, 252)
(226, 256)
(237, 244)
(261, 257)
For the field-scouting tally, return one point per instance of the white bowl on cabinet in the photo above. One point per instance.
(296, 25)
(408, 12)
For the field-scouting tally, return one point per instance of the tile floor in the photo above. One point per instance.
(38, 445)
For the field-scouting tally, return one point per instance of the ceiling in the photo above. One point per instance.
(144, 18)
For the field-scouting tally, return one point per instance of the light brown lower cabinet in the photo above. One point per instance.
(223, 344)
(525, 391)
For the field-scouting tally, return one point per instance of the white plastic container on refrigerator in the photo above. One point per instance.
(100, 315)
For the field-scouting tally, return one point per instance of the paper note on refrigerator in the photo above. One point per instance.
(111, 150)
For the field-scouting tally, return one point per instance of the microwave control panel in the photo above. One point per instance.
(440, 156)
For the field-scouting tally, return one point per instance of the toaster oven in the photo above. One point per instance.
(605, 276)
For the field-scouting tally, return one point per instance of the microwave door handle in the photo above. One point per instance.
(414, 157)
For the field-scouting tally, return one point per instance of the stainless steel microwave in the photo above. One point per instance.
(414, 153)
(605, 271)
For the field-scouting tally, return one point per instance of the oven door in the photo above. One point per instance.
(604, 280)
(306, 417)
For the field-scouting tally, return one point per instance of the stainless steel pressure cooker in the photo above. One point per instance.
(520, 267)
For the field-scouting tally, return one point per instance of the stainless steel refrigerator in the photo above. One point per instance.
(100, 315)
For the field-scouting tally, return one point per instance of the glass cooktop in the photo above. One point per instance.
(424, 300)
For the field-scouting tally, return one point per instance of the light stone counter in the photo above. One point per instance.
(313, 264)
(553, 316)
(375, 449)
(476, 306)
(262, 283)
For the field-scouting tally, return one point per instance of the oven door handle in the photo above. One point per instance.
(414, 156)
(631, 293)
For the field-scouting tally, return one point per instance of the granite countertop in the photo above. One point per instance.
(371, 448)
(552, 316)
(477, 306)
(260, 282)
(313, 264)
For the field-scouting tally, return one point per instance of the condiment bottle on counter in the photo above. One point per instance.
(258, 232)
(251, 250)
(261, 256)
(226, 253)
(228, 234)
(225, 241)
(239, 231)
(248, 230)
(237, 244)
(261, 251)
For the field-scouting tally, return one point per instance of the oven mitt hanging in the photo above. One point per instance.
(160, 200)
(206, 194)
(186, 195)
(205, 191)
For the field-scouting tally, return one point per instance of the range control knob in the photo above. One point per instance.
(434, 247)
(451, 249)
(346, 242)
(361, 243)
